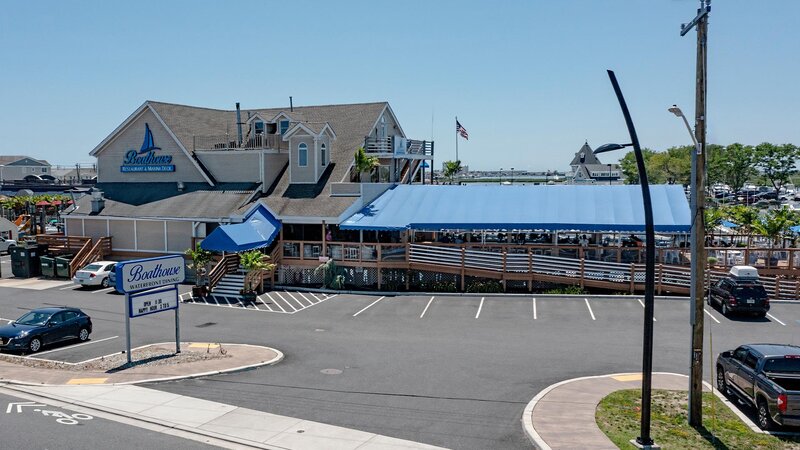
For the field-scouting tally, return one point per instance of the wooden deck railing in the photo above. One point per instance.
(79, 260)
(62, 244)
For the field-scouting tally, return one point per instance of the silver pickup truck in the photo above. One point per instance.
(766, 376)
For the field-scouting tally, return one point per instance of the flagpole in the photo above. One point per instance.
(456, 138)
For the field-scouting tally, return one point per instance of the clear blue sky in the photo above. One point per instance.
(526, 78)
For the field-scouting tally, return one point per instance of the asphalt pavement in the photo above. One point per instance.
(451, 371)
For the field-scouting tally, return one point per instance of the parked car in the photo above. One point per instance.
(741, 291)
(95, 274)
(45, 326)
(766, 376)
(7, 244)
(112, 278)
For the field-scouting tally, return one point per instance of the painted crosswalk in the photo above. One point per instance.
(281, 302)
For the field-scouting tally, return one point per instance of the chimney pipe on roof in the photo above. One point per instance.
(238, 124)
(291, 106)
(98, 201)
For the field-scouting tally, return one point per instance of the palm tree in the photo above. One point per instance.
(451, 169)
(744, 216)
(775, 224)
(364, 163)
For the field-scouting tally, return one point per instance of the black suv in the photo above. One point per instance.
(739, 295)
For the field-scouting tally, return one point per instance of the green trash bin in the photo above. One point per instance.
(62, 266)
(48, 266)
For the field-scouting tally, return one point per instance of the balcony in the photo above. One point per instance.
(399, 147)
(225, 142)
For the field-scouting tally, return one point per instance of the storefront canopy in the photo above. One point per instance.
(491, 207)
(258, 230)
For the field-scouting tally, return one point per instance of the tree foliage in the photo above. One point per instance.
(364, 163)
(776, 162)
(451, 169)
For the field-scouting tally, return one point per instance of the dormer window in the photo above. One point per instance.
(302, 154)
(322, 151)
(284, 126)
(259, 127)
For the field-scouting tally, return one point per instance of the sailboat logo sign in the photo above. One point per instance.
(146, 159)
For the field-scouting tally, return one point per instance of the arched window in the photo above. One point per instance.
(302, 154)
(322, 154)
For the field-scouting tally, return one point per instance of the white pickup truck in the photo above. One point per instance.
(7, 244)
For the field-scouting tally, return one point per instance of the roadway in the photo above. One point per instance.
(443, 370)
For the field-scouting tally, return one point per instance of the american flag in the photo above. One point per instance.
(462, 131)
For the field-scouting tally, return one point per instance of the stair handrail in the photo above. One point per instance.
(227, 264)
(79, 260)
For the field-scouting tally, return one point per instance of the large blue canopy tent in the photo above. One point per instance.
(598, 208)
(258, 230)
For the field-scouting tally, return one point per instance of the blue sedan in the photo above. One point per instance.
(44, 326)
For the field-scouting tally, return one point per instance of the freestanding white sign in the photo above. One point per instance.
(147, 275)
(142, 274)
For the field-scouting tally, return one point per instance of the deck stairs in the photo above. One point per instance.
(229, 287)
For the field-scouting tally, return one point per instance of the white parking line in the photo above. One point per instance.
(7, 320)
(302, 306)
(103, 291)
(775, 319)
(78, 345)
(309, 301)
(480, 307)
(590, 308)
(426, 308)
(534, 309)
(642, 303)
(328, 297)
(275, 302)
(368, 306)
(74, 286)
(709, 315)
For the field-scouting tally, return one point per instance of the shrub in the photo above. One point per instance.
(484, 286)
(567, 290)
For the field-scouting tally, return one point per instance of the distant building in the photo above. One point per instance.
(17, 167)
(586, 168)
(76, 174)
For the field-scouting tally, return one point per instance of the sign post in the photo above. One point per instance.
(150, 286)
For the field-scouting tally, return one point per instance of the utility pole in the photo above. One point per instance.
(698, 209)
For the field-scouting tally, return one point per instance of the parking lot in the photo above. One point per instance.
(447, 370)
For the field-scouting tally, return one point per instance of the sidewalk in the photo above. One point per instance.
(563, 415)
(229, 425)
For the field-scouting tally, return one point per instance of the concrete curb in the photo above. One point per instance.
(278, 358)
(134, 418)
(540, 444)
(474, 294)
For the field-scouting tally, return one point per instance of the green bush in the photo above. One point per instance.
(567, 290)
(484, 286)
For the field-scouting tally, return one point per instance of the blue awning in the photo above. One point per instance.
(795, 228)
(258, 230)
(490, 207)
(728, 224)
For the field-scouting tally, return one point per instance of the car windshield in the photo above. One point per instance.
(33, 318)
(783, 365)
(751, 291)
(92, 267)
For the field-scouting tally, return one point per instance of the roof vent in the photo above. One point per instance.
(98, 201)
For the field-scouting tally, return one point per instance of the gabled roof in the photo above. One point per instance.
(584, 156)
(21, 160)
(313, 129)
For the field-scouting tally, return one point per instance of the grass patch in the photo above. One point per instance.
(618, 416)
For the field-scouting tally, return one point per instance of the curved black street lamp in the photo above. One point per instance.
(644, 438)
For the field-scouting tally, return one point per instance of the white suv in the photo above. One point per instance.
(7, 244)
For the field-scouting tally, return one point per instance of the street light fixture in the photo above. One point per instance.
(644, 438)
(501, 176)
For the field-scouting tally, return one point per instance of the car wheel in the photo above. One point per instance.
(83, 334)
(722, 383)
(35, 345)
(725, 310)
(104, 283)
(761, 314)
(764, 419)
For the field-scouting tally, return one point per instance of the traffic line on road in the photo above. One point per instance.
(642, 303)
(712, 316)
(75, 346)
(275, 302)
(103, 291)
(775, 319)
(590, 308)
(74, 286)
(7, 320)
(368, 306)
(480, 307)
(534, 309)
(426, 308)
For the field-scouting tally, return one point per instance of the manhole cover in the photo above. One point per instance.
(207, 324)
(331, 371)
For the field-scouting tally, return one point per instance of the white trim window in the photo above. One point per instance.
(322, 154)
(302, 154)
